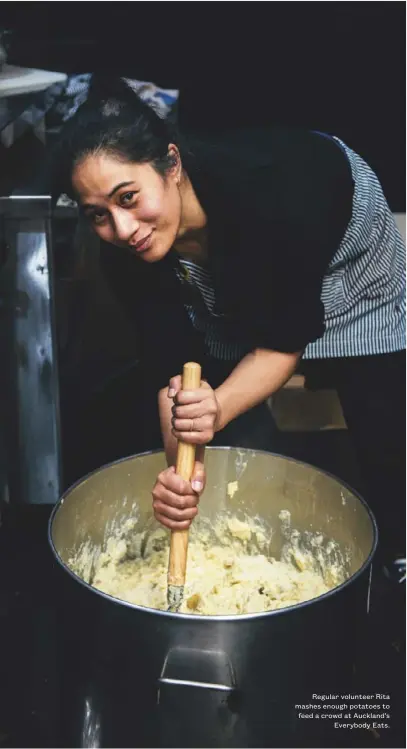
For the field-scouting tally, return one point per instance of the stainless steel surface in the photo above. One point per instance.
(213, 663)
(267, 485)
(28, 347)
(172, 682)
(91, 730)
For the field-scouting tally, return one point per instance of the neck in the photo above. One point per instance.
(191, 238)
(193, 217)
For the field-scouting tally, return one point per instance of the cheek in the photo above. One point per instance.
(152, 208)
(161, 208)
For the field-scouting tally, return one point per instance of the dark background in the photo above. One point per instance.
(338, 67)
(332, 66)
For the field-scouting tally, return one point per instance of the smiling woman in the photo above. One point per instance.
(246, 252)
(129, 205)
(129, 179)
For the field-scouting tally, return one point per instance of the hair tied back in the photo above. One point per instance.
(105, 88)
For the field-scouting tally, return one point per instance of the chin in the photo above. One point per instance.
(154, 254)
(150, 258)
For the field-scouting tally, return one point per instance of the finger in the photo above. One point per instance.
(180, 502)
(198, 478)
(174, 386)
(173, 525)
(173, 513)
(185, 397)
(204, 424)
(193, 438)
(171, 481)
(194, 410)
(184, 425)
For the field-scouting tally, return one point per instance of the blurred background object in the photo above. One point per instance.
(4, 44)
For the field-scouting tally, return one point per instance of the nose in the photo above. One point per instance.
(125, 225)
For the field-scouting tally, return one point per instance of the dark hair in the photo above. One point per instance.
(116, 121)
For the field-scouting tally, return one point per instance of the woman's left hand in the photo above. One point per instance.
(195, 414)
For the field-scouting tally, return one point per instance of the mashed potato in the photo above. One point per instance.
(229, 570)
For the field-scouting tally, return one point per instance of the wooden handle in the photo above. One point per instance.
(191, 380)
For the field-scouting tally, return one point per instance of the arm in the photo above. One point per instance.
(201, 413)
(260, 374)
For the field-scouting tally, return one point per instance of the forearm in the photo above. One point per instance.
(260, 374)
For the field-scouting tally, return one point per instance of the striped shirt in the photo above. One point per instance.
(363, 290)
(204, 319)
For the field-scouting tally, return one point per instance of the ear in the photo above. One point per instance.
(174, 157)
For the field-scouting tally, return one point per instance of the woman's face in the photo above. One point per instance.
(130, 205)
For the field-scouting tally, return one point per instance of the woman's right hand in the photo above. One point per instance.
(175, 500)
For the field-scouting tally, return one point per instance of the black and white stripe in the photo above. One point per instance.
(363, 291)
(206, 321)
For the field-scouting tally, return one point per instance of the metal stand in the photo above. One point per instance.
(28, 371)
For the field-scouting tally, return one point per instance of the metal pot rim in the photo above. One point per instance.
(204, 617)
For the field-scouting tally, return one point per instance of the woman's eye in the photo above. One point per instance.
(127, 198)
(98, 218)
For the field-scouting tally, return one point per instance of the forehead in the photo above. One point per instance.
(98, 174)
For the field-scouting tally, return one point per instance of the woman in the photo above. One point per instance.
(247, 253)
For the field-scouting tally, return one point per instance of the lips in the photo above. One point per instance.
(142, 244)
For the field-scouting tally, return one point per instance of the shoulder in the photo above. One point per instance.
(264, 148)
(278, 172)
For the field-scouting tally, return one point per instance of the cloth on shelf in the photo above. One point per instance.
(77, 87)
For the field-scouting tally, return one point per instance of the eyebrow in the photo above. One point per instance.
(88, 206)
(118, 187)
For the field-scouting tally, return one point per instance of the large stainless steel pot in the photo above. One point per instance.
(141, 677)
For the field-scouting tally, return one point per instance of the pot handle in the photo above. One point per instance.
(182, 666)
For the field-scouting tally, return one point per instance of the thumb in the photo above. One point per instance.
(198, 479)
(174, 386)
(205, 385)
